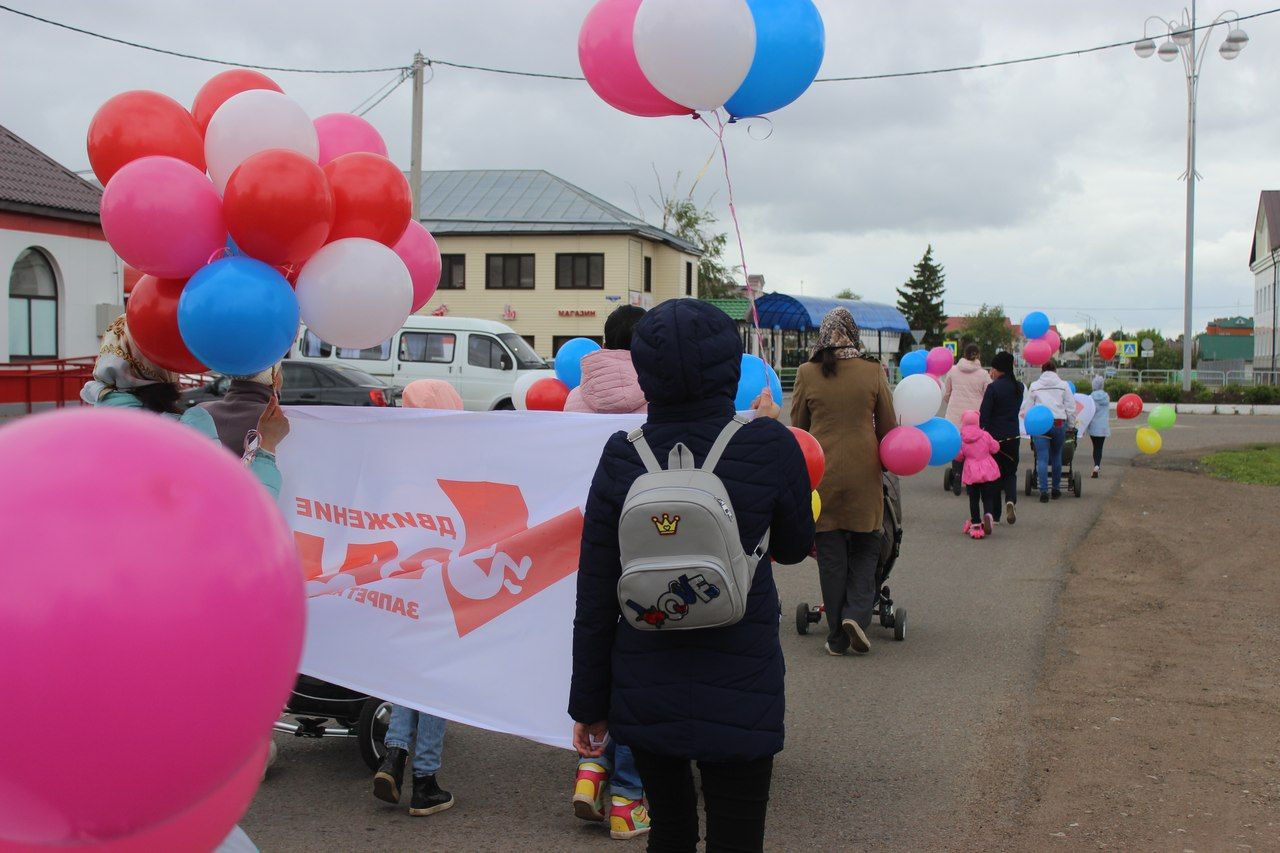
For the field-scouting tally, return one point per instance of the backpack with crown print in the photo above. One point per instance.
(683, 565)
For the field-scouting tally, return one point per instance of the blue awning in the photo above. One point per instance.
(798, 313)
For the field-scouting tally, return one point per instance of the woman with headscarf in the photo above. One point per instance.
(842, 397)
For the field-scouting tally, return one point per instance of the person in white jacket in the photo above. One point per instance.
(1052, 392)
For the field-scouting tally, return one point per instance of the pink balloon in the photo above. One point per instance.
(939, 361)
(344, 133)
(418, 249)
(154, 591)
(1053, 339)
(905, 451)
(607, 55)
(163, 217)
(1037, 352)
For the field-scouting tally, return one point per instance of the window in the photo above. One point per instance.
(33, 307)
(526, 357)
(428, 347)
(579, 272)
(453, 272)
(313, 347)
(299, 375)
(560, 340)
(483, 351)
(688, 278)
(508, 272)
(531, 340)
(381, 352)
(648, 275)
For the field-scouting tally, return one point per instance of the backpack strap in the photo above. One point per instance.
(637, 439)
(722, 441)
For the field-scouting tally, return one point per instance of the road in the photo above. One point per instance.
(880, 749)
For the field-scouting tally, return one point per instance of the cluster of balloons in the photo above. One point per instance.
(294, 218)
(675, 57)
(937, 362)
(1161, 418)
(175, 618)
(921, 439)
(1042, 341)
(815, 462)
(540, 393)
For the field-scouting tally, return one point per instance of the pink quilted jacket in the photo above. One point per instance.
(977, 449)
(609, 385)
(963, 389)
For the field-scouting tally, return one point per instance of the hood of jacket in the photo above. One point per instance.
(688, 358)
(1049, 380)
(964, 365)
(609, 384)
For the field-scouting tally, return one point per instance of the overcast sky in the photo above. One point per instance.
(1051, 185)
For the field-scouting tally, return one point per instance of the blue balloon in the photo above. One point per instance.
(238, 316)
(1039, 420)
(944, 440)
(1072, 386)
(753, 379)
(569, 360)
(914, 362)
(1035, 325)
(790, 42)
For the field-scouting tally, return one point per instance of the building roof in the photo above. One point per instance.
(1268, 207)
(798, 313)
(526, 201)
(33, 182)
(738, 308)
(1225, 347)
(1232, 323)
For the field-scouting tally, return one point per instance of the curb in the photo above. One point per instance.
(1219, 409)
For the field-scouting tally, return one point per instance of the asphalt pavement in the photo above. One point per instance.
(880, 748)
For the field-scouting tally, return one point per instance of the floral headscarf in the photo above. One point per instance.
(840, 334)
(121, 366)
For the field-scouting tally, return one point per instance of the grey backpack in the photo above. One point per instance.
(683, 566)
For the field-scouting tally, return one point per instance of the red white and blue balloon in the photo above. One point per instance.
(676, 57)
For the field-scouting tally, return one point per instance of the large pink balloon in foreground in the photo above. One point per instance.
(606, 51)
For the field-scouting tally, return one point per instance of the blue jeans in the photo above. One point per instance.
(620, 764)
(1050, 445)
(429, 741)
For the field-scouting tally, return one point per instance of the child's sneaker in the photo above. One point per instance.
(627, 818)
(1010, 512)
(588, 791)
(968, 525)
(976, 532)
(988, 523)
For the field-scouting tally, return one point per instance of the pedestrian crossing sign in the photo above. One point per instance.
(953, 346)
(1128, 349)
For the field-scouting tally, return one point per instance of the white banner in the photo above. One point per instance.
(441, 553)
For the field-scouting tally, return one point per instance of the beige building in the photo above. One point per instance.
(547, 258)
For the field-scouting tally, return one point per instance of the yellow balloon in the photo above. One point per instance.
(817, 506)
(1149, 441)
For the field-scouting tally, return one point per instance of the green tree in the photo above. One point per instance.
(848, 293)
(989, 328)
(682, 216)
(920, 300)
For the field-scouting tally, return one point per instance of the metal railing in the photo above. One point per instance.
(57, 382)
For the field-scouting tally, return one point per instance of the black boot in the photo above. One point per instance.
(390, 776)
(427, 797)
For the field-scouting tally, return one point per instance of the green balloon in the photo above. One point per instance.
(1162, 417)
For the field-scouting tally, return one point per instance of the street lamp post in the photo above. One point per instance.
(1180, 40)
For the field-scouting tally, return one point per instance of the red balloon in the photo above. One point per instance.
(223, 86)
(1129, 407)
(814, 459)
(278, 207)
(547, 395)
(152, 316)
(141, 123)
(371, 198)
(1107, 350)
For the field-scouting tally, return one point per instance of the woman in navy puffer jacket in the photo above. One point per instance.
(714, 696)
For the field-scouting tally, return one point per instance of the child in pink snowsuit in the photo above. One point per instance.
(981, 474)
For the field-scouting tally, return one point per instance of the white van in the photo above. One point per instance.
(480, 358)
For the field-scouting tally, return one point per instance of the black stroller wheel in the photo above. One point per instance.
(1030, 482)
(900, 625)
(1077, 483)
(946, 479)
(802, 618)
(371, 730)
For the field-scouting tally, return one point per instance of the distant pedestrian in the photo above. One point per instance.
(999, 416)
(1099, 427)
(1053, 393)
(609, 384)
(962, 390)
(981, 475)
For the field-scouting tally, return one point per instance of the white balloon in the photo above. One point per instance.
(1085, 410)
(254, 121)
(520, 391)
(354, 293)
(695, 53)
(916, 399)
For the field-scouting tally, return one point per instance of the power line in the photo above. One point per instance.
(404, 75)
(396, 80)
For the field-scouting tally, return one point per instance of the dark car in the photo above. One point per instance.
(314, 385)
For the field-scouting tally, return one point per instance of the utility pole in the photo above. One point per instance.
(415, 150)
(1193, 84)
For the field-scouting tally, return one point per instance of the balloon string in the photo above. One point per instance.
(737, 226)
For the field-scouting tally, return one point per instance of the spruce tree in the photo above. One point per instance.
(920, 301)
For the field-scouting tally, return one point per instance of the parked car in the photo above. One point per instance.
(482, 359)
(313, 385)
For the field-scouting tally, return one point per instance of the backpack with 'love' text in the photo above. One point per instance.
(683, 565)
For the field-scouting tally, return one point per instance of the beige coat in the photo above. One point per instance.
(849, 414)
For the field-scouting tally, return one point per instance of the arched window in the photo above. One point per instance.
(33, 307)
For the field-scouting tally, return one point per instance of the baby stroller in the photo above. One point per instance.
(891, 617)
(1073, 478)
(315, 703)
